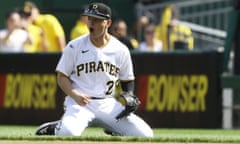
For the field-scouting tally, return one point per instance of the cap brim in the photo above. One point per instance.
(95, 16)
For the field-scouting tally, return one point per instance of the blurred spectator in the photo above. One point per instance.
(35, 33)
(139, 26)
(13, 38)
(119, 30)
(162, 27)
(143, 18)
(53, 30)
(173, 34)
(80, 28)
(151, 43)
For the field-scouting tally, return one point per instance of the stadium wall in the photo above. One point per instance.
(176, 89)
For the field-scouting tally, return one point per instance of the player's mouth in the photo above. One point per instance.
(91, 29)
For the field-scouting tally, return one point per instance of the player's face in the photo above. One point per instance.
(98, 27)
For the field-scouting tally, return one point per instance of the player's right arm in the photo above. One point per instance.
(64, 70)
(65, 84)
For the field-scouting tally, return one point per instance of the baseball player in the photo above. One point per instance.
(88, 71)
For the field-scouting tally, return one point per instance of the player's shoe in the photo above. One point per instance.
(108, 132)
(47, 128)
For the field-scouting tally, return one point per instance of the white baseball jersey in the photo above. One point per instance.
(95, 71)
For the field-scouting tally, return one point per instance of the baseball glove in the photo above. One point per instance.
(130, 101)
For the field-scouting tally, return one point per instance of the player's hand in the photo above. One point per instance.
(81, 99)
(130, 101)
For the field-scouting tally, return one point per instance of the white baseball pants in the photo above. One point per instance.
(102, 113)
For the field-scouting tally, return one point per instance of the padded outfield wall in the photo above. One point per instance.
(176, 89)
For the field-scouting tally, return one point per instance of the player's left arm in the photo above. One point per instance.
(126, 76)
(128, 86)
(128, 99)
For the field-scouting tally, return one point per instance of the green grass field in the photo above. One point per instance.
(25, 134)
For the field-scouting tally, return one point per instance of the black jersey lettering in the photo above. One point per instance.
(79, 69)
(92, 67)
(99, 66)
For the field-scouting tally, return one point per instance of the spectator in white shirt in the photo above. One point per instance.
(150, 43)
(13, 38)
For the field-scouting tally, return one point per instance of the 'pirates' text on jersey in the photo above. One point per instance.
(99, 66)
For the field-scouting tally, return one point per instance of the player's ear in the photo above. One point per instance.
(109, 22)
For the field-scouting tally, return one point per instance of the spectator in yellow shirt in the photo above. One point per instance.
(180, 37)
(80, 28)
(38, 43)
(171, 33)
(53, 30)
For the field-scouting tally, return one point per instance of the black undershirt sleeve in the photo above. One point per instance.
(128, 86)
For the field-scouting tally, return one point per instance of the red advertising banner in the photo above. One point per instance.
(2, 89)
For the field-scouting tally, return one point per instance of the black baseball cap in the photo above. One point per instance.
(98, 10)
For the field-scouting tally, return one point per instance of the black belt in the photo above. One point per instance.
(97, 98)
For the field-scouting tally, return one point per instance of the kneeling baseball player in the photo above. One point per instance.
(88, 72)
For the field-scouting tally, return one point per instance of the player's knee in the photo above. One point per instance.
(146, 133)
(66, 130)
(149, 133)
(142, 133)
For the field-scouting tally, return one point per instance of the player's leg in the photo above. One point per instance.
(132, 125)
(73, 122)
(75, 119)
(128, 126)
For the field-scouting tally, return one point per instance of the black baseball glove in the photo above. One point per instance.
(130, 101)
